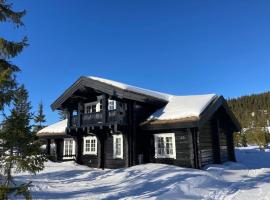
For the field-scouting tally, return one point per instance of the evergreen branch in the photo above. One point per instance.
(8, 15)
(10, 49)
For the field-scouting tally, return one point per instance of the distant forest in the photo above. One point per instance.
(253, 112)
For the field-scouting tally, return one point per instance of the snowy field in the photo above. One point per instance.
(247, 179)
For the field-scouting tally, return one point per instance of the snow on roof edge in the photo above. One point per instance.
(155, 94)
(58, 127)
(180, 107)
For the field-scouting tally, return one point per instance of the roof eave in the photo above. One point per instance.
(84, 81)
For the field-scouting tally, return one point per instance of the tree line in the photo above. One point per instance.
(253, 113)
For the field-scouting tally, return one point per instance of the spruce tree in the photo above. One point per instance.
(21, 150)
(39, 118)
(8, 50)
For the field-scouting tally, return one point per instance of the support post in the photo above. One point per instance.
(48, 147)
(80, 111)
(131, 135)
(70, 117)
(104, 108)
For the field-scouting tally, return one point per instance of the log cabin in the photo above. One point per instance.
(113, 125)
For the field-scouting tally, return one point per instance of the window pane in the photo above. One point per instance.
(169, 146)
(87, 145)
(93, 145)
(118, 146)
(88, 109)
(93, 108)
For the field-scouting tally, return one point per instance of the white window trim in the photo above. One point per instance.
(114, 146)
(90, 104)
(73, 149)
(164, 135)
(84, 145)
(99, 98)
(114, 104)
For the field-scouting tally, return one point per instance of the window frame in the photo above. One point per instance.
(68, 156)
(115, 137)
(164, 136)
(91, 105)
(90, 152)
(112, 103)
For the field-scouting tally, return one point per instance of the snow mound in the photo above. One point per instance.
(183, 107)
(248, 179)
(159, 95)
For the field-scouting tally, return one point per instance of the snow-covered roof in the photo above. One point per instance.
(58, 128)
(183, 107)
(134, 89)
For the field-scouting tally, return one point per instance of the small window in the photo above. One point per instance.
(165, 145)
(90, 107)
(69, 148)
(90, 145)
(111, 104)
(118, 146)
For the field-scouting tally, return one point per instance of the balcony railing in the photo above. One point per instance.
(91, 118)
(113, 116)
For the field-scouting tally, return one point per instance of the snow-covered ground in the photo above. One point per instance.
(247, 179)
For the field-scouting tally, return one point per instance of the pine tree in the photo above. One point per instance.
(39, 118)
(8, 50)
(21, 150)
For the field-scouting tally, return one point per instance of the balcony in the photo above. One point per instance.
(96, 118)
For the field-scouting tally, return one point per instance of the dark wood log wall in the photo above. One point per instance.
(140, 114)
(206, 144)
(90, 160)
(216, 139)
(109, 161)
(184, 149)
(223, 143)
(104, 157)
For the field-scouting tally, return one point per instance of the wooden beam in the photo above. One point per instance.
(80, 112)
(104, 108)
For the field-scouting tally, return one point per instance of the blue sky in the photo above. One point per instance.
(178, 47)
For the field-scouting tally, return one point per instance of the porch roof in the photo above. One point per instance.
(56, 129)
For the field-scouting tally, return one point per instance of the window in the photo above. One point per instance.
(90, 145)
(118, 146)
(69, 148)
(111, 104)
(165, 145)
(90, 107)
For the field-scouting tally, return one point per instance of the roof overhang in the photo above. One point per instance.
(107, 89)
